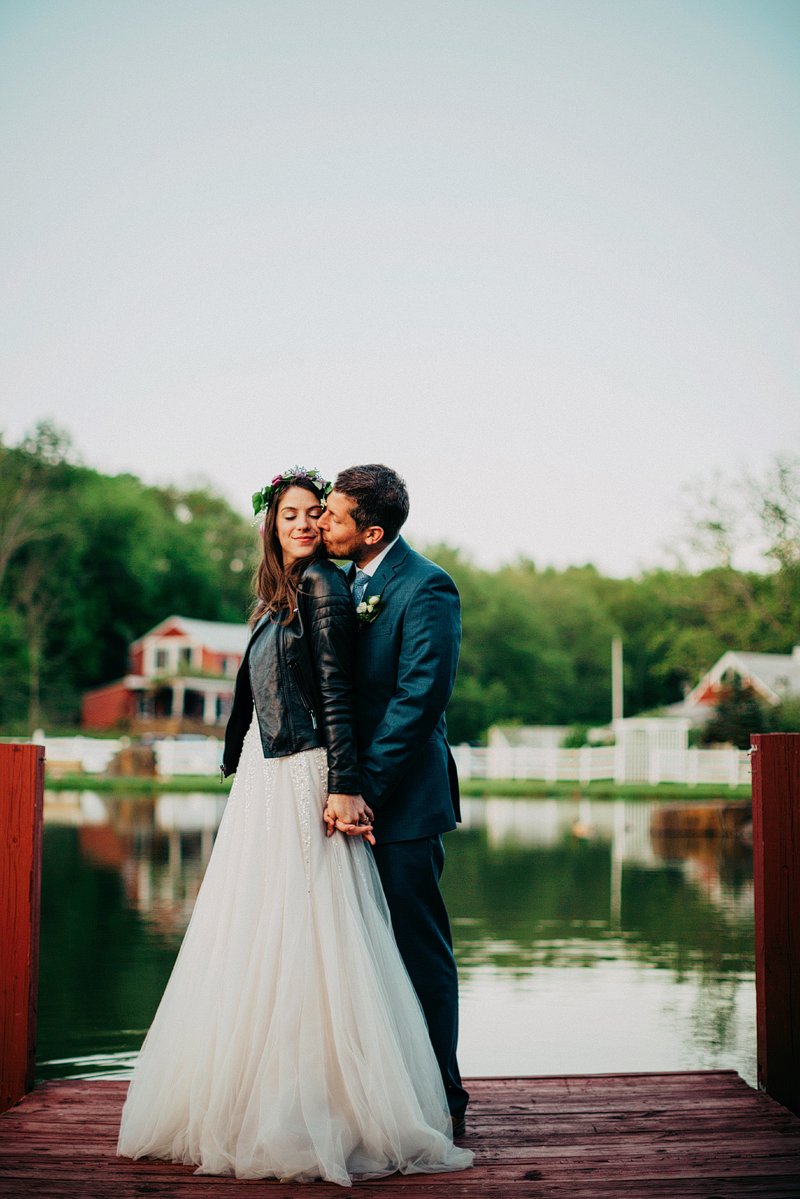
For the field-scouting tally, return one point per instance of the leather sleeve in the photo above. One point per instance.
(431, 638)
(330, 619)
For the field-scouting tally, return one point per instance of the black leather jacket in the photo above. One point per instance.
(300, 678)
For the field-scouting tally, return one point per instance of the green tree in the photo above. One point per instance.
(583, 630)
(91, 562)
(27, 474)
(786, 717)
(738, 714)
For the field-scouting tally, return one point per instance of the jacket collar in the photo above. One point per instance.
(259, 626)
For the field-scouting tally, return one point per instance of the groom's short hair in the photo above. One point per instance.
(379, 496)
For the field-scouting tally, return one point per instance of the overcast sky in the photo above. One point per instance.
(540, 257)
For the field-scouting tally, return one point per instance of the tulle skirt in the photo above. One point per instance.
(289, 1042)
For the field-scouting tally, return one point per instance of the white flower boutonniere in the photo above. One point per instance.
(369, 609)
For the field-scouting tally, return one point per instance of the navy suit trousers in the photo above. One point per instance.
(410, 873)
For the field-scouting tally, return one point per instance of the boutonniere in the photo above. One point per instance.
(369, 609)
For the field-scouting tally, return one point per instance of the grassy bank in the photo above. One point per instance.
(605, 789)
(138, 786)
(475, 788)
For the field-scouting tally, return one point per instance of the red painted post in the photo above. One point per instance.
(21, 802)
(776, 878)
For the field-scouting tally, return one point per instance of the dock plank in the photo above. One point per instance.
(698, 1135)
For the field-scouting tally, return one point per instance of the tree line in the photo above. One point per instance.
(89, 562)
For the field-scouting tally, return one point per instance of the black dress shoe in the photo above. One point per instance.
(459, 1126)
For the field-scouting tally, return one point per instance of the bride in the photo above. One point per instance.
(289, 1042)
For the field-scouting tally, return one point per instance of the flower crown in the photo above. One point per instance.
(295, 474)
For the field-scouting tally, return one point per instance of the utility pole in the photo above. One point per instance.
(616, 679)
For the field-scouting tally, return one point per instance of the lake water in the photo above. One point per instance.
(585, 945)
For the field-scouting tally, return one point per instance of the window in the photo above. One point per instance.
(161, 659)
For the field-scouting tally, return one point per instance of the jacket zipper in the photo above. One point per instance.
(301, 693)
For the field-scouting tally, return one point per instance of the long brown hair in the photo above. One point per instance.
(274, 586)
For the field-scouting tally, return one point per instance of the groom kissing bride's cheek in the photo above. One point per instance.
(291, 975)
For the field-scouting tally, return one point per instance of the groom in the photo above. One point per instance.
(407, 656)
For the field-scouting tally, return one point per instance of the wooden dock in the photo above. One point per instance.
(613, 1136)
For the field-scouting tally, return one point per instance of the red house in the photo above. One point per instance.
(180, 679)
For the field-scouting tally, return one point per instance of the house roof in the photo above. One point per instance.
(774, 675)
(219, 636)
(779, 672)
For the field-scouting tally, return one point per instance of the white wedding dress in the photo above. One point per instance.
(289, 1042)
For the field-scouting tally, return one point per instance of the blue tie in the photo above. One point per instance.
(360, 586)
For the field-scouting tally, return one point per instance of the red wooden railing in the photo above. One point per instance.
(776, 880)
(21, 797)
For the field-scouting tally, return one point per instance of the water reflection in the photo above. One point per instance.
(584, 942)
(604, 951)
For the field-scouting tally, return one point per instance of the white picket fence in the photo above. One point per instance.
(91, 755)
(725, 767)
(188, 757)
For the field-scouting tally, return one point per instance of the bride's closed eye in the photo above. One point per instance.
(292, 513)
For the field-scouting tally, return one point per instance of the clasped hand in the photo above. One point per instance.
(348, 814)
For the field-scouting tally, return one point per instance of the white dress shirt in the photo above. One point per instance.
(374, 563)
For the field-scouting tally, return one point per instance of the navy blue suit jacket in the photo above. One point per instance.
(405, 671)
